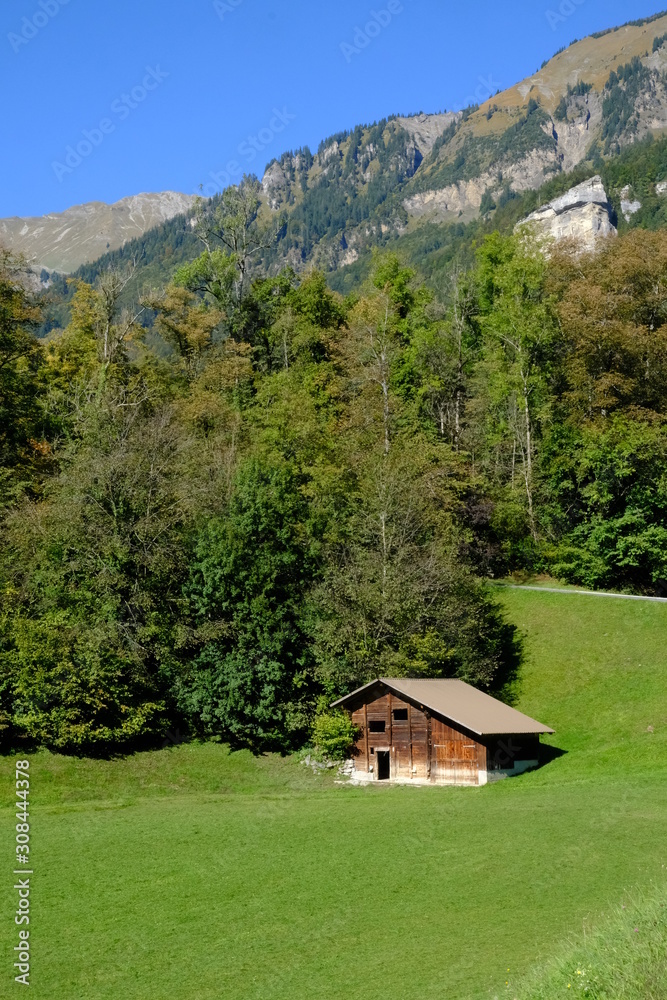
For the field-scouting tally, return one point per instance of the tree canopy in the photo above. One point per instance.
(275, 494)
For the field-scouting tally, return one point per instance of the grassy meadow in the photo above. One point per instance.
(625, 958)
(197, 874)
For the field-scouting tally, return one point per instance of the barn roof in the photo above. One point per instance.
(460, 702)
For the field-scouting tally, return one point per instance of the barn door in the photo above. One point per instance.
(456, 763)
(384, 766)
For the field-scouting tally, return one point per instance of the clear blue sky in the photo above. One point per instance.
(219, 75)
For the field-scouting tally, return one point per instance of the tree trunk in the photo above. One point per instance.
(528, 464)
(457, 418)
(383, 526)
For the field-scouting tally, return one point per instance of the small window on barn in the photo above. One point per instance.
(376, 726)
(372, 749)
(400, 715)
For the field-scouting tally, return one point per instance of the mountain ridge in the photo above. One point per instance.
(392, 179)
(63, 241)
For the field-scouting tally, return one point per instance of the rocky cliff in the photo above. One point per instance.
(593, 99)
(584, 214)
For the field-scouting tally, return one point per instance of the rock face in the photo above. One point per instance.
(65, 240)
(573, 138)
(465, 197)
(425, 130)
(274, 185)
(583, 213)
(629, 205)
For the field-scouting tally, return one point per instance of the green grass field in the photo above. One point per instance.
(625, 958)
(196, 874)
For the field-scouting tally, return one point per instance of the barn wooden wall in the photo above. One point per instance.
(421, 747)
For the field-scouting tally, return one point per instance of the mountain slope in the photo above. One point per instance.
(590, 101)
(63, 241)
(575, 108)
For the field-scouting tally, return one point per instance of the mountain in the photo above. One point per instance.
(596, 97)
(431, 184)
(63, 241)
(583, 107)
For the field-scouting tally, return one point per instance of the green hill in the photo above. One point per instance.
(197, 873)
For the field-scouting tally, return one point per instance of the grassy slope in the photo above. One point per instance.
(590, 59)
(597, 672)
(198, 874)
(625, 958)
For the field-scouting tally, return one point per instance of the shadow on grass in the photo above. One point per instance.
(548, 754)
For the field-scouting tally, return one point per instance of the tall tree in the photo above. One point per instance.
(613, 305)
(251, 568)
(21, 384)
(115, 323)
(445, 352)
(521, 340)
(234, 227)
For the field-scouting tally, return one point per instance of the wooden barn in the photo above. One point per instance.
(442, 732)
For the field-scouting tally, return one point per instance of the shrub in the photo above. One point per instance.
(70, 685)
(560, 114)
(334, 733)
(488, 204)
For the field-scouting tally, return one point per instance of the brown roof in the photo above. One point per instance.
(459, 702)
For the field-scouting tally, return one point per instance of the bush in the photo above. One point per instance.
(72, 686)
(334, 733)
(488, 204)
(560, 114)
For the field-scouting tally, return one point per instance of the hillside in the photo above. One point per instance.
(625, 956)
(579, 109)
(63, 241)
(372, 185)
(260, 842)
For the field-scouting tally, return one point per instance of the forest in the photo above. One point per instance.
(218, 522)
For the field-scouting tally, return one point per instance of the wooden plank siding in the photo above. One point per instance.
(457, 757)
(421, 746)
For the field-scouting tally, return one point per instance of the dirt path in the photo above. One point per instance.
(588, 593)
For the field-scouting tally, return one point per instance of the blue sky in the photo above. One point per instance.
(167, 96)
